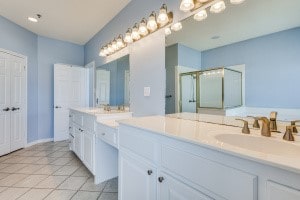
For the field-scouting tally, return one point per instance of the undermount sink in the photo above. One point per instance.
(260, 144)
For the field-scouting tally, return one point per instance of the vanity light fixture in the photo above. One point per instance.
(168, 31)
(135, 33)
(128, 39)
(143, 28)
(152, 24)
(187, 5)
(236, 1)
(176, 27)
(201, 15)
(218, 7)
(163, 17)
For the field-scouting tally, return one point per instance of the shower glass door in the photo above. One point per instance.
(188, 92)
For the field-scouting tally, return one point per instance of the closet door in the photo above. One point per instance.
(17, 99)
(4, 104)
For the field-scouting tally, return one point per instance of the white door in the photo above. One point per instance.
(17, 99)
(69, 91)
(102, 87)
(172, 189)
(137, 179)
(4, 104)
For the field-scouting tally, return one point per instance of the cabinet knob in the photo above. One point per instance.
(149, 172)
(6, 109)
(161, 179)
(13, 109)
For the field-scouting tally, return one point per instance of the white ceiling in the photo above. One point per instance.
(251, 19)
(75, 21)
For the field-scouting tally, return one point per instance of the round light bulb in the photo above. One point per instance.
(143, 28)
(168, 31)
(187, 5)
(106, 52)
(110, 49)
(163, 18)
(120, 42)
(176, 27)
(135, 33)
(218, 7)
(201, 15)
(128, 38)
(102, 53)
(151, 24)
(114, 45)
(237, 1)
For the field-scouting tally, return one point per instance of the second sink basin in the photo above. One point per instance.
(260, 144)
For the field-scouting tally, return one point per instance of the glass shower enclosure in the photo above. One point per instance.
(219, 88)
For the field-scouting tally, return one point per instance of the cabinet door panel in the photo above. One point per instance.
(78, 142)
(135, 182)
(88, 150)
(172, 189)
(280, 192)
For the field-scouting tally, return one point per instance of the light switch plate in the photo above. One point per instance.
(147, 91)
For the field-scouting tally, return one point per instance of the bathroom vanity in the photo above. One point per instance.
(168, 158)
(94, 139)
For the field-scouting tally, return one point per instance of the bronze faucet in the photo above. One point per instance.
(245, 129)
(293, 123)
(265, 130)
(273, 121)
(255, 123)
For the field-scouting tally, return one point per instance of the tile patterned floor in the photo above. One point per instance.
(50, 171)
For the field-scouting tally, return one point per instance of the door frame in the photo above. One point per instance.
(26, 91)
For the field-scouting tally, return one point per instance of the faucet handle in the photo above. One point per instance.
(293, 123)
(255, 123)
(273, 115)
(288, 136)
(245, 129)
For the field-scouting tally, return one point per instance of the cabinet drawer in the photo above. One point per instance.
(222, 180)
(107, 134)
(88, 123)
(137, 141)
(277, 191)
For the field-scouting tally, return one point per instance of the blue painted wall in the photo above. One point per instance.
(189, 57)
(42, 53)
(52, 51)
(22, 41)
(272, 67)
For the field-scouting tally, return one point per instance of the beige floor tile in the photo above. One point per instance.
(66, 149)
(2, 189)
(60, 195)
(108, 196)
(51, 182)
(29, 160)
(53, 148)
(43, 153)
(66, 170)
(90, 186)
(28, 153)
(80, 195)
(111, 186)
(57, 154)
(12, 168)
(12, 179)
(82, 171)
(31, 181)
(61, 161)
(47, 169)
(14, 160)
(45, 161)
(30, 169)
(75, 162)
(3, 175)
(3, 165)
(73, 183)
(35, 194)
(12, 193)
(69, 154)
(2, 158)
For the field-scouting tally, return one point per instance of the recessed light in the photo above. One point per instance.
(33, 19)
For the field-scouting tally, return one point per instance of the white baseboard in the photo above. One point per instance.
(38, 142)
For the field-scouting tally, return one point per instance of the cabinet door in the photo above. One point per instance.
(172, 189)
(276, 191)
(137, 180)
(88, 150)
(78, 141)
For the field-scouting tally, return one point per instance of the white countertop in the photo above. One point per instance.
(283, 154)
(99, 111)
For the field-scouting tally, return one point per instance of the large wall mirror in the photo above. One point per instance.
(112, 83)
(246, 57)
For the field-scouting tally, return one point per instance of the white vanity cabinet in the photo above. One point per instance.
(89, 150)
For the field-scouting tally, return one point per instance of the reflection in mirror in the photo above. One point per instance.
(112, 83)
(257, 46)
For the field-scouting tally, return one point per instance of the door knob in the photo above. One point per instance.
(6, 109)
(161, 179)
(149, 172)
(57, 107)
(13, 109)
